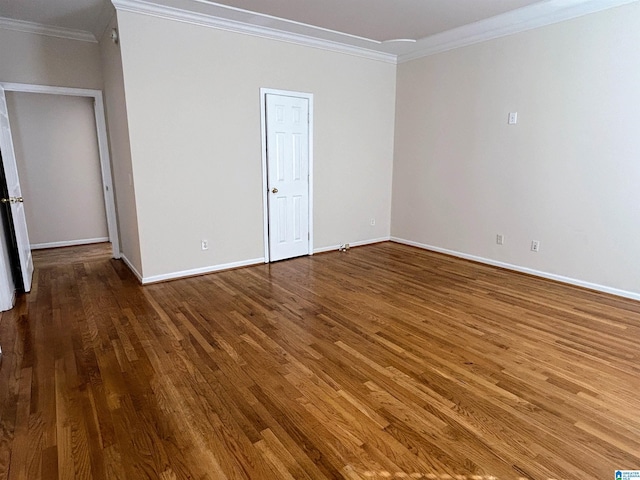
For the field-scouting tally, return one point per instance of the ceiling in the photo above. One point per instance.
(73, 15)
(382, 19)
(390, 28)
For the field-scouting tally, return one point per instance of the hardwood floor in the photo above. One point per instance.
(382, 362)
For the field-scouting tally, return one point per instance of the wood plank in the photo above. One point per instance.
(382, 362)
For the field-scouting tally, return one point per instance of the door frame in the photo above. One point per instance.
(265, 177)
(103, 148)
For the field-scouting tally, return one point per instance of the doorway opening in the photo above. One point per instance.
(10, 170)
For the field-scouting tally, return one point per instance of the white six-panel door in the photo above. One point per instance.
(15, 194)
(287, 134)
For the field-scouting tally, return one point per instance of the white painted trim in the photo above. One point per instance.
(52, 90)
(7, 286)
(265, 183)
(360, 243)
(107, 180)
(224, 17)
(103, 148)
(527, 18)
(311, 176)
(265, 178)
(46, 30)
(104, 20)
(515, 21)
(518, 268)
(212, 21)
(133, 269)
(69, 243)
(199, 271)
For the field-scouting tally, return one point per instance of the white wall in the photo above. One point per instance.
(194, 121)
(567, 174)
(56, 147)
(120, 149)
(43, 60)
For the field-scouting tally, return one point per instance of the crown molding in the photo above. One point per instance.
(39, 29)
(104, 20)
(527, 18)
(516, 21)
(207, 20)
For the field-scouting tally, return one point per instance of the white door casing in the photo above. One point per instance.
(287, 139)
(15, 194)
(103, 149)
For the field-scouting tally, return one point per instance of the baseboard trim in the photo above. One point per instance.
(200, 271)
(352, 244)
(68, 243)
(550, 276)
(228, 266)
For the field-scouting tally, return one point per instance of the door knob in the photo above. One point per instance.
(12, 200)
(274, 190)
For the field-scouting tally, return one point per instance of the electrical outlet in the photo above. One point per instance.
(204, 244)
(373, 222)
(344, 247)
(535, 245)
(500, 239)
(513, 118)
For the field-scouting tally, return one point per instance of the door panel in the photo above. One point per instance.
(13, 185)
(287, 129)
